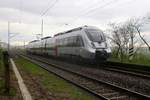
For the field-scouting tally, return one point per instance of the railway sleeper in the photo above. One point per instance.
(93, 87)
(103, 91)
(86, 84)
(97, 88)
(110, 94)
(108, 90)
(123, 97)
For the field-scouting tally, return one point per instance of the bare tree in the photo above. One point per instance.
(137, 26)
(125, 36)
(119, 38)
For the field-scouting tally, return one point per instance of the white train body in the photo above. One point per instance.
(85, 42)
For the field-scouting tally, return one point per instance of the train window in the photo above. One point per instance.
(74, 41)
(62, 42)
(65, 42)
(95, 35)
(79, 41)
(70, 41)
(59, 42)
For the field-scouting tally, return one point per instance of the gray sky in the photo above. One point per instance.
(25, 15)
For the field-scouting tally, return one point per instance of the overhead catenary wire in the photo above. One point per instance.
(97, 7)
(20, 7)
(85, 10)
(91, 10)
(50, 5)
(44, 12)
(48, 8)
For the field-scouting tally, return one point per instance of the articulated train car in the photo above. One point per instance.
(87, 42)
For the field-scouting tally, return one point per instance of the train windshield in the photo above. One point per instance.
(95, 35)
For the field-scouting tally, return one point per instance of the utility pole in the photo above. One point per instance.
(8, 36)
(24, 45)
(42, 29)
(44, 12)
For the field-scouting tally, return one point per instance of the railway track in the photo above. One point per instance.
(100, 89)
(129, 69)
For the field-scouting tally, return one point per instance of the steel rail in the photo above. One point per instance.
(78, 85)
(136, 94)
(128, 72)
(129, 67)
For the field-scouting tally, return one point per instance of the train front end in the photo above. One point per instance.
(98, 44)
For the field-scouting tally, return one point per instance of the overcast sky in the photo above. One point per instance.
(25, 16)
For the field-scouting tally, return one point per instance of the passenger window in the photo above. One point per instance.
(65, 41)
(74, 41)
(79, 42)
(57, 42)
(62, 42)
(70, 41)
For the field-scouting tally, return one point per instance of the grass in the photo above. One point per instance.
(1, 64)
(1, 73)
(2, 82)
(139, 58)
(53, 83)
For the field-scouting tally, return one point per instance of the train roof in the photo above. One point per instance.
(75, 29)
(46, 37)
(65, 32)
(33, 41)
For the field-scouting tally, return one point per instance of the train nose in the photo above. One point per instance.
(101, 55)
